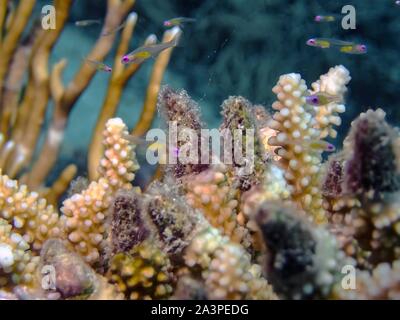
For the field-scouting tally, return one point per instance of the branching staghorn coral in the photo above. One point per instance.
(333, 83)
(225, 268)
(212, 193)
(29, 214)
(17, 262)
(143, 273)
(297, 134)
(85, 213)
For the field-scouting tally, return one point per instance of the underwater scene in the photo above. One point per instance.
(199, 150)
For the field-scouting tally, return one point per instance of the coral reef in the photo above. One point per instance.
(279, 222)
(225, 268)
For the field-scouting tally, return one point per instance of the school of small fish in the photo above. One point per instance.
(149, 51)
(348, 47)
(140, 54)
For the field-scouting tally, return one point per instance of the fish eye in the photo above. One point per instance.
(315, 99)
(125, 59)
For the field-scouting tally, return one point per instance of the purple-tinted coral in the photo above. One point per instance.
(332, 185)
(371, 163)
(173, 219)
(239, 115)
(128, 226)
(302, 260)
(177, 106)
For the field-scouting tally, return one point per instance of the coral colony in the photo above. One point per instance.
(295, 226)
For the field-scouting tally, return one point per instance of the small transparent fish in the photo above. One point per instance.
(180, 21)
(321, 99)
(108, 33)
(312, 145)
(321, 145)
(354, 49)
(99, 65)
(327, 43)
(87, 23)
(148, 51)
(327, 18)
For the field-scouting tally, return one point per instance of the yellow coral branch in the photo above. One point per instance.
(300, 161)
(27, 213)
(10, 43)
(3, 12)
(17, 263)
(38, 89)
(50, 150)
(116, 11)
(85, 213)
(12, 88)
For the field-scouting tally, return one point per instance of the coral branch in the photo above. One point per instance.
(225, 268)
(299, 158)
(28, 213)
(86, 212)
(333, 83)
(116, 11)
(11, 39)
(17, 264)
